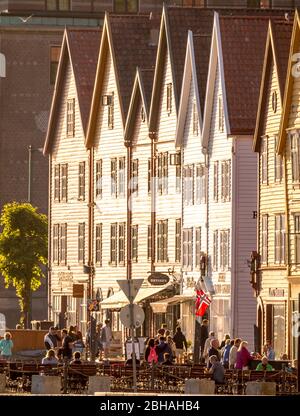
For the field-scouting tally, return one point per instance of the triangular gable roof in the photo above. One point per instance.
(80, 48)
(277, 48)
(238, 45)
(175, 24)
(128, 40)
(190, 73)
(141, 90)
(292, 65)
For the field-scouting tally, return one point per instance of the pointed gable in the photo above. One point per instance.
(291, 80)
(80, 48)
(276, 58)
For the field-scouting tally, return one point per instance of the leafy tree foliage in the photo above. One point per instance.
(23, 251)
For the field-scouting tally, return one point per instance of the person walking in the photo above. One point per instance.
(268, 351)
(203, 337)
(213, 350)
(162, 348)
(223, 343)
(225, 354)
(233, 353)
(180, 343)
(6, 346)
(151, 355)
(106, 338)
(207, 346)
(67, 344)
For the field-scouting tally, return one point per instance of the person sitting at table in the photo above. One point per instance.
(50, 358)
(129, 362)
(76, 358)
(167, 359)
(264, 365)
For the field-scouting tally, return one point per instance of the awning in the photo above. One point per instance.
(118, 300)
(161, 305)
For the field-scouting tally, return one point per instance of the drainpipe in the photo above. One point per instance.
(129, 209)
(233, 238)
(49, 271)
(288, 254)
(153, 138)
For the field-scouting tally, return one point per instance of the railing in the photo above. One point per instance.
(157, 378)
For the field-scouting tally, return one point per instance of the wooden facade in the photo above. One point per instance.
(272, 289)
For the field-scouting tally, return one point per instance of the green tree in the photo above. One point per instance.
(23, 251)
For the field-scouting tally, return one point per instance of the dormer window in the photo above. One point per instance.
(169, 98)
(220, 114)
(143, 115)
(71, 117)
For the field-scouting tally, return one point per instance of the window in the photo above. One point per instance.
(297, 237)
(188, 183)
(54, 60)
(135, 176)
(216, 181)
(81, 242)
(224, 249)
(126, 6)
(220, 114)
(187, 246)
(55, 254)
(63, 244)
(264, 160)
(201, 184)
(134, 243)
(110, 113)
(264, 234)
(99, 244)
(280, 238)
(226, 180)
(278, 163)
(143, 114)
(149, 248)
(274, 101)
(162, 173)
(295, 156)
(81, 181)
(99, 178)
(162, 241)
(178, 240)
(215, 250)
(195, 119)
(149, 176)
(56, 183)
(64, 182)
(113, 244)
(71, 117)
(122, 243)
(198, 247)
(169, 99)
(178, 179)
(113, 177)
(58, 5)
(121, 176)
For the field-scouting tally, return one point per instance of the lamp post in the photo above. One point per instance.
(30, 150)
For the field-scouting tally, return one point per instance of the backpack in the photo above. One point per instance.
(152, 355)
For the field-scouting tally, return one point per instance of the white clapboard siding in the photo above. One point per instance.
(293, 190)
(219, 150)
(193, 215)
(69, 150)
(109, 143)
(141, 203)
(245, 231)
(168, 206)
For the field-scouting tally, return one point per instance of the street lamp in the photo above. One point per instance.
(30, 150)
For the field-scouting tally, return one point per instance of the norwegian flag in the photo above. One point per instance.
(202, 303)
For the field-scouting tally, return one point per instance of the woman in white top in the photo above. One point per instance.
(50, 358)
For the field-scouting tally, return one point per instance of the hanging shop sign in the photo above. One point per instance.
(78, 291)
(158, 279)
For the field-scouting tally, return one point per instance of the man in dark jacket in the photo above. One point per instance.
(51, 339)
(180, 342)
(203, 337)
(162, 348)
